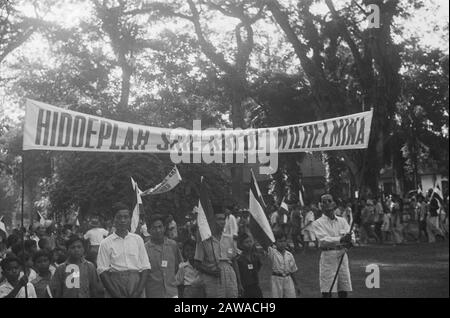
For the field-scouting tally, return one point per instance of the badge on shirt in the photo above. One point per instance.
(164, 264)
(250, 266)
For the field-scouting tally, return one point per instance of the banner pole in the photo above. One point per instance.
(22, 217)
(351, 227)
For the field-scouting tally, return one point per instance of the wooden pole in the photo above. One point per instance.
(22, 217)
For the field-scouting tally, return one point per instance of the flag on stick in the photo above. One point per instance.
(301, 191)
(3, 232)
(137, 206)
(259, 224)
(205, 215)
(169, 182)
(284, 211)
(41, 219)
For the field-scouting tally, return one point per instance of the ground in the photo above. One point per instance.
(410, 270)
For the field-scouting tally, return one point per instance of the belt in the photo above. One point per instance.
(335, 248)
(280, 274)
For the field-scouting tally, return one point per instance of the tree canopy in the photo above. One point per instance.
(242, 63)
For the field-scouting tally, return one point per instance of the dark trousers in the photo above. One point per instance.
(296, 237)
(423, 229)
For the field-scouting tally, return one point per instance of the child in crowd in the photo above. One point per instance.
(283, 268)
(41, 283)
(76, 277)
(27, 262)
(249, 265)
(31, 247)
(45, 245)
(386, 226)
(59, 256)
(187, 277)
(13, 286)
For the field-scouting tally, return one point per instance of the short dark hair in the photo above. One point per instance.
(42, 242)
(16, 248)
(74, 238)
(190, 243)
(9, 259)
(153, 218)
(280, 235)
(24, 256)
(40, 254)
(120, 206)
(12, 239)
(242, 237)
(30, 244)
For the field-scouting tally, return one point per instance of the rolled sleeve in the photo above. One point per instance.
(103, 259)
(144, 262)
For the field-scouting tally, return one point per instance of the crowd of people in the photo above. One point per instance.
(386, 219)
(164, 260)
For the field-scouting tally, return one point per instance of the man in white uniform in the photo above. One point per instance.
(332, 233)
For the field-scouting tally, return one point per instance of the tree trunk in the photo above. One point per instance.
(237, 115)
(125, 90)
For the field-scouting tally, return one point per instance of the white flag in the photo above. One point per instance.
(169, 182)
(137, 205)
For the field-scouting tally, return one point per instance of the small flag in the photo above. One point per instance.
(205, 213)
(301, 191)
(41, 219)
(259, 224)
(169, 182)
(3, 232)
(437, 194)
(137, 206)
(284, 210)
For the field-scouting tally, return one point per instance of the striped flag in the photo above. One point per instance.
(137, 206)
(259, 224)
(437, 194)
(205, 213)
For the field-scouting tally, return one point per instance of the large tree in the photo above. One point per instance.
(349, 69)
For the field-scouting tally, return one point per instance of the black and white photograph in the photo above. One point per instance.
(231, 151)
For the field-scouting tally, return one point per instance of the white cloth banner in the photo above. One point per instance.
(169, 182)
(52, 128)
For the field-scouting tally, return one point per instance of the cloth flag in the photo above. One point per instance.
(205, 213)
(137, 206)
(259, 224)
(41, 219)
(437, 194)
(301, 191)
(3, 232)
(169, 182)
(284, 211)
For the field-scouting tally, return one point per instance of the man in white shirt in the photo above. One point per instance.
(94, 236)
(334, 238)
(307, 228)
(122, 261)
